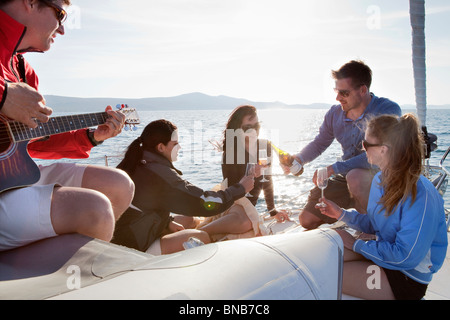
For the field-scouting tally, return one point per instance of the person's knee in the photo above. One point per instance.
(246, 224)
(124, 192)
(308, 220)
(100, 219)
(84, 211)
(102, 226)
(95, 217)
(115, 184)
(203, 236)
(353, 180)
(186, 221)
(127, 185)
(358, 181)
(243, 220)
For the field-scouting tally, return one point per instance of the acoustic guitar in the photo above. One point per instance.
(17, 169)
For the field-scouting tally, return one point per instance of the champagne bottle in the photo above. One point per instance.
(287, 160)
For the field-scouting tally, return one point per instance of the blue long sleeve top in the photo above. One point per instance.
(349, 133)
(413, 239)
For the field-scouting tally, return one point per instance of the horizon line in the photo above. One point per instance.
(222, 95)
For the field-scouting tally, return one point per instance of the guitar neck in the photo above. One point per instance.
(56, 125)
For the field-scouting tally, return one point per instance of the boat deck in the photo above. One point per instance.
(439, 288)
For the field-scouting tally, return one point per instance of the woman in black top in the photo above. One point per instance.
(160, 190)
(241, 146)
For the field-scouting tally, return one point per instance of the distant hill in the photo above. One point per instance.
(189, 101)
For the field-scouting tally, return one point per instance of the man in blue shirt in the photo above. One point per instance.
(351, 178)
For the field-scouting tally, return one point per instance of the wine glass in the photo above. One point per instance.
(250, 171)
(322, 182)
(263, 161)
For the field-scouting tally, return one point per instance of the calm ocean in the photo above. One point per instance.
(289, 129)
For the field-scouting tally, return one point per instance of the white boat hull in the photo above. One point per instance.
(305, 265)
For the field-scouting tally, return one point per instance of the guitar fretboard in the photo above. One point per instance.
(56, 125)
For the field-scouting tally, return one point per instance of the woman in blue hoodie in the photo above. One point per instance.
(405, 213)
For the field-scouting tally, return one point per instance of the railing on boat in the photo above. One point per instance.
(441, 182)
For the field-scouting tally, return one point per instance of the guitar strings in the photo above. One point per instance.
(21, 132)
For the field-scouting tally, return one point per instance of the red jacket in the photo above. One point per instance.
(74, 144)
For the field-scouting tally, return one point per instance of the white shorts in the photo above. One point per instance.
(155, 248)
(25, 213)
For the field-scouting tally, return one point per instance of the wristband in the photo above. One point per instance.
(90, 134)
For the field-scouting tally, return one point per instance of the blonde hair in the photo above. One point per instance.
(406, 151)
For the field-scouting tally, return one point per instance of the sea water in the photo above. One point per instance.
(289, 129)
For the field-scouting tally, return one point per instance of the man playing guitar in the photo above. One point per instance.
(68, 198)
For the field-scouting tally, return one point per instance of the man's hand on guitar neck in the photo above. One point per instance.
(112, 127)
(23, 103)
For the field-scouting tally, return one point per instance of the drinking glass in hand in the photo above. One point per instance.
(250, 171)
(263, 161)
(322, 182)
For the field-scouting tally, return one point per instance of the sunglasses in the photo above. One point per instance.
(366, 145)
(255, 126)
(345, 93)
(61, 14)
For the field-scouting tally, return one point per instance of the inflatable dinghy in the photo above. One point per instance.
(296, 265)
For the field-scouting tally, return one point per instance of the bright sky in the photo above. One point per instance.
(262, 50)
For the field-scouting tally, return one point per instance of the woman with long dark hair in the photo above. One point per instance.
(405, 213)
(240, 147)
(160, 190)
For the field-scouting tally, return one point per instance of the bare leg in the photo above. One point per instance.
(115, 184)
(350, 255)
(359, 182)
(186, 222)
(84, 211)
(309, 220)
(173, 242)
(366, 280)
(236, 221)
